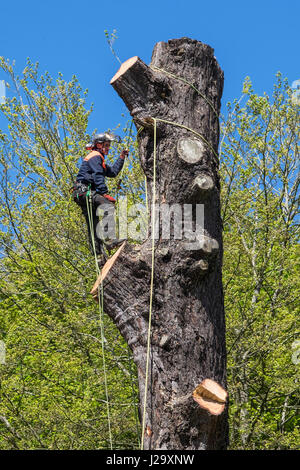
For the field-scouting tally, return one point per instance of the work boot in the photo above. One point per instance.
(111, 244)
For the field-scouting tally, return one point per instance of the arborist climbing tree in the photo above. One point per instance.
(90, 193)
(172, 316)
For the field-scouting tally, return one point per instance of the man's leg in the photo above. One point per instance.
(106, 229)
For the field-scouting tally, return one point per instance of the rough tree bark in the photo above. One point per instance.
(188, 328)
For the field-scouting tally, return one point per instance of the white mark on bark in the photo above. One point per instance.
(190, 150)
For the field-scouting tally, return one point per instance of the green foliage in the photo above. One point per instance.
(110, 38)
(260, 173)
(52, 384)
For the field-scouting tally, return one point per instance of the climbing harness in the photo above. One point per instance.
(78, 191)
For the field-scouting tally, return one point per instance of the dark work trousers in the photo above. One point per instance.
(103, 230)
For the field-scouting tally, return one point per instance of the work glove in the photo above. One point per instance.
(109, 198)
(124, 154)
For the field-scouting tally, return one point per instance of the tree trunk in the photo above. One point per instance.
(183, 85)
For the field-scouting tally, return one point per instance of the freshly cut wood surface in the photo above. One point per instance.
(126, 65)
(106, 268)
(210, 396)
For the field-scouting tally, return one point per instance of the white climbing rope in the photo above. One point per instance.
(151, 287)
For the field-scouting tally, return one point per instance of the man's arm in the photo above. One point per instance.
(114, 170)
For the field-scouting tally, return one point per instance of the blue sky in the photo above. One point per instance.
(255, 38)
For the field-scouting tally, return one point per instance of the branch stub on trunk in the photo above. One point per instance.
(210, 396)
(190, 149)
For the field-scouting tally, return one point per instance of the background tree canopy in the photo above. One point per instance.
(52, 382)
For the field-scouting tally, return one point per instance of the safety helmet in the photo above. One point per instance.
(103, 137)
(106, 137)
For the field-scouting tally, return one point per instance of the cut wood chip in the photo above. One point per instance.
(105, 270)
(210, 396)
